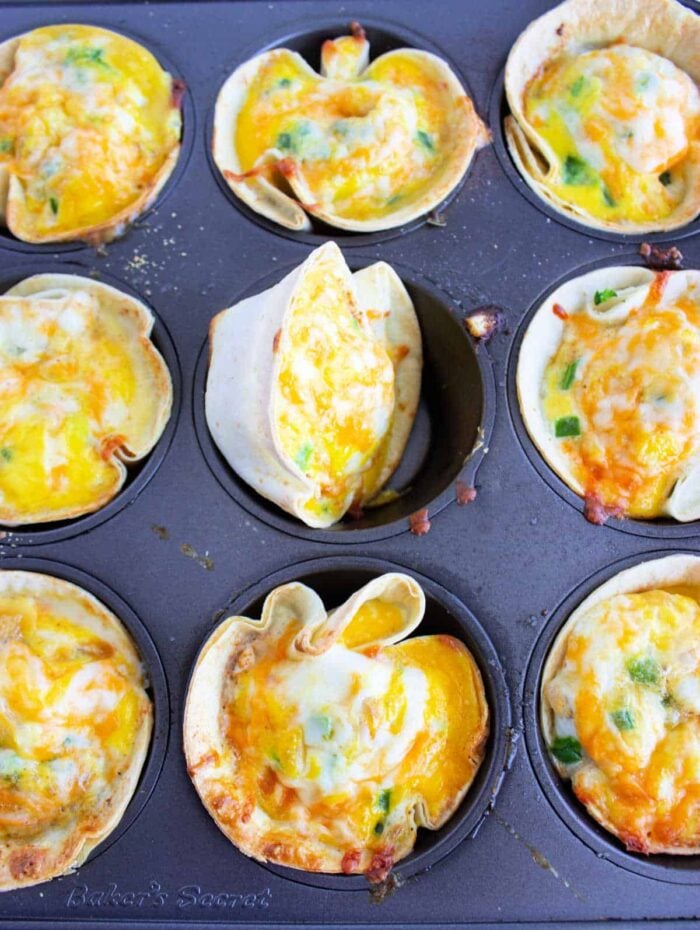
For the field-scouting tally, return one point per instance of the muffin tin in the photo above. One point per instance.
(186, 543)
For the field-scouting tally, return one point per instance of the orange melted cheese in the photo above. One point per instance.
(336, 391)
(70, 707)
(87, 121)
(619, 122)
(72, 392)
(635, 391)
(628, 692)
(346, 745)
(365, 144)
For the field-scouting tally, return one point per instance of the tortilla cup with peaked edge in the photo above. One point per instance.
(14, 211)
(43, 850)
(542, 339)
(297, 631)
(137, 426)
(279, 187)
(243, 401)
(676, 574)
(663, 27)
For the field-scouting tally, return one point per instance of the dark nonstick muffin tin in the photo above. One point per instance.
(185, 543)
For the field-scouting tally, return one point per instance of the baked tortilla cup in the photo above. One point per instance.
(86, 394)
(645, 625)
(622, 303)
(322, 740)
(664, 28)
(81, 172)
(318, 417)
(294, 174)
(76, 726)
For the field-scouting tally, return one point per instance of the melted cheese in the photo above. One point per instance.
(336, 390)
(86, 123)
(365, 145)
(635, 391)
(629, 691)
(352, 741)
(619, 122)
(72, 392)
(70, 708)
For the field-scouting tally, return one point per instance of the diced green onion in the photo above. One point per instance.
(6, 145)
(426, 140)
(608, 197)
(623, 719)
(567, 379)
(303, 456)
(6, 454)
(567, 426)
(665, 178)
(284, 141)
(577, 86)
(53, 203)
(379, 827)
(384, 800)
(284, 82)
(601, 296)
(578, 173)
(644, 671)
(566, 749)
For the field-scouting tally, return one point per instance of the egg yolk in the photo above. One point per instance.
(336, 390)
(365, 145)
(70, 708)
(346, 744)
(622, 398)
(86, 123)
(627, 716)
(618, 123)
(71, 394)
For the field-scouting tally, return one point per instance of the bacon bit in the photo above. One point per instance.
(419, 523)
(276, 340)
(559, 311)
(268, 781)
(110, 444)
(247, 811)
(596, 512)
(670, 259)
(232, 176)
(382, 863)
(350, 861)
(560, 29)
(484, 322)
(464, 494)
(177, 92)
(355, 511)
(287, 167)
(357, 31)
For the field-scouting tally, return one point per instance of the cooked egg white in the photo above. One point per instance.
(335, 395)
(619, 122)
(71, 705)
(78, 395)
(351, 744)
(621, 394)
(87, 123)
(626, 706)
(367, 143)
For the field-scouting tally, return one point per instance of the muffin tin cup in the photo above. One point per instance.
(498, 110)
(658, 528)
(157, 688)
(335, 578)
(682, 870)
(140, 473)
(189, 133)
(450, 436)
(306, 38)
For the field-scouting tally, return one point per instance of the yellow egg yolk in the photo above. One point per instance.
(87, 121)
(618, 123)
(623, 399)
(70, 708)
(628, 696)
